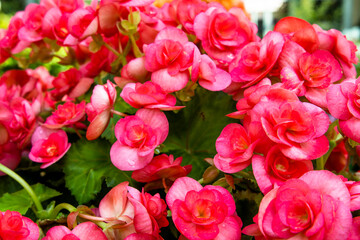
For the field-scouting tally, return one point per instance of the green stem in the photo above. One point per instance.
(60, 207)
(320, 163)
(24, 184)
(113, 50)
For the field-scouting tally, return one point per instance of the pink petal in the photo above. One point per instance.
(260, 173)
(180, 188)
(351, 128)
(156, 120)
(230, 228)
(98, 125)
(57, 232)
(174, 34)
(128, 159)
(170, 83)
(89, 231)
(81, 88)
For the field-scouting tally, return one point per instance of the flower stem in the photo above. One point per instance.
(118, 113)
(60, 207)
(24, 184)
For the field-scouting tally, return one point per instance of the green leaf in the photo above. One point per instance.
(21, 201)
(87, 164)
(194, 129)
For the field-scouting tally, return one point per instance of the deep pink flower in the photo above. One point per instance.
(186, 12)
(275, 169)
(148, 95)
(14, 226)
(161, 169)
(54, 25)
(48, 146)
(82, 23)
(99, 109)
(223, 33)
(65, 6)
(355, 229)
(315, 206)
(85, 230)
(6, 116)
(10, 156)
(137, 137)
(169, 59)
(256, 59)
(312, 76)
(67, 114)
(343, 103)
(129, 3)
(299, 31)
(71, 83)
(201, 213)
(296, 126)
(150, 212)
(344, 50)
(32, 29)
(235, 149)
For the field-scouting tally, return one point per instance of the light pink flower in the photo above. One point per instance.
(169, 59)
(85, 230)
(48, 146)
(161, 172)
(133, 72)
(15, 226)
(256, 59)
(315, 206)
(223, 33)
(201, 213)
(343, 103)
(235, 149)
(209, 75)
(275, 169)
(67, 114)
(32, 29)
(296, 126)
(148, 95)
(10, 156)
(137, 137)
(99, 109)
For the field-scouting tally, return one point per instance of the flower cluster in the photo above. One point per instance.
(132, 73)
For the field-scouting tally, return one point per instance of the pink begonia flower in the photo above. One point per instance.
(275, 168)
(343, 103)
(161, 172)
(67, 114)
(148, 95)
(23, 122)
(10, 156)
(208, 75)
(129, 3)
(235, 149)
(355, 229)
(256, 59)
(354, 190)
(133, 72)
(137, 137)
(299, 31)
(169, 59)
(54, 25)
(251, 97)
(201, 213)
(32, 29)
(117, 210)
(71, 83)
(48, 146)
(313, 74)
(150, 212)
(223, 33)
(186, 12)
(297, 127)
(6, 116)
(315, 206)
(109, 13)
(83, 231)
(141, 236)
(99, 109)
(65, 6)
(14, 226)
(344, 50)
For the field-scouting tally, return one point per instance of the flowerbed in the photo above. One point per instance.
(176, 122)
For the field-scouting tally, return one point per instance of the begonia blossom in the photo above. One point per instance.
(48, 146)
(315, 206)
(137, 137)
(67, 114)
(10, 156)
(85, 230)
(14, 226)
(203, 212)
